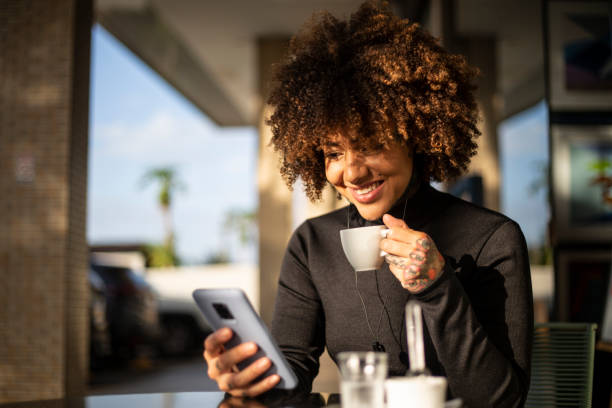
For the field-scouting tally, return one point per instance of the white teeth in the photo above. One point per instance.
(368, 188)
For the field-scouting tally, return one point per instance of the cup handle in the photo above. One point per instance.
(384, 233)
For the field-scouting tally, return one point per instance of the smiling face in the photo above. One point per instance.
(372, 180)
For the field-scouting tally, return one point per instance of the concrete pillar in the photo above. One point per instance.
(44, 95)
(274, 213)
(278, 213)
(281, 210)
(440, 22)
(480, 51)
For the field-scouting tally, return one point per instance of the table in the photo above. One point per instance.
(204, 399)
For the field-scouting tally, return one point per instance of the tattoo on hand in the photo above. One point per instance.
(398, 261)
(412, 270)
(425, 243)
(417, 285)
(421, 267)
(417, 256)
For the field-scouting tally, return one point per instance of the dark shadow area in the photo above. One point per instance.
(179, 374)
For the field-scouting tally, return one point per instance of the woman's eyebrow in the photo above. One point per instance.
(330, 145)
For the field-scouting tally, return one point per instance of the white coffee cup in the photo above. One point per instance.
(420, 391)
(362, 246)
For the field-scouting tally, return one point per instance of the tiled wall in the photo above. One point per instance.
(43, 167)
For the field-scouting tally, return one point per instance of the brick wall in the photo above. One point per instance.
(43, 163)
(77, 286)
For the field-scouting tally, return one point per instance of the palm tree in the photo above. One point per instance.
(243, 223)
(167, 180)
(600, 166)
(238, 223)
(602, 179)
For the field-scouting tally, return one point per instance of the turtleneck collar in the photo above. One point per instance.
(415, 206)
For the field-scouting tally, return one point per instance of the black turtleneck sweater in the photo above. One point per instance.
(478, 314)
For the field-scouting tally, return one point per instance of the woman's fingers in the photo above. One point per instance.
(258, 388)
(241, 384)
(222, 366)
(397, 248)
(400, 232)
(245, 377)
(392, 222)
(226, 361)
(213, 345)
(412, 255)
(397, 271)
(408, 279)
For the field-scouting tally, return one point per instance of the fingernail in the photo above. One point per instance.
(274, 378)
(252, 346)
(263, 363)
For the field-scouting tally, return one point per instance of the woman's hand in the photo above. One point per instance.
(412, 255)
(222, 366)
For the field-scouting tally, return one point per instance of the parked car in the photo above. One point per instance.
(131, 310)
(183, 324)
(99, 331)
(183, 327)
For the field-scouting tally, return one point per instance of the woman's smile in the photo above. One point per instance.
(367, 193)
(372, 180)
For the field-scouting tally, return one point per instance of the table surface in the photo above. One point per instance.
(182, 400)
(203, 399)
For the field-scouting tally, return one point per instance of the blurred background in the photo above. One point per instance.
(135, 167)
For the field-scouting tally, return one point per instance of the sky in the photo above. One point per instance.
(139, 122)
(523, 146)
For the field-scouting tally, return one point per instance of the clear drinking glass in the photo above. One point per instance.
(362, 379)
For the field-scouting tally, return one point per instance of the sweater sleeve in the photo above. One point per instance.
(298, 323)
(481, 325)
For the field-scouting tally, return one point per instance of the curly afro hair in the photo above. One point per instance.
(374, 79)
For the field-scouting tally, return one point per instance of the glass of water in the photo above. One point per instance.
(362, 379)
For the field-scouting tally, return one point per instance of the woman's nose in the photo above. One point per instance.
(354, 167)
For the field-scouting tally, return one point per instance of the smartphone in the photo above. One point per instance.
(231, 308)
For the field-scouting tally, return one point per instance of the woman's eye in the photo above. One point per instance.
(332, 155)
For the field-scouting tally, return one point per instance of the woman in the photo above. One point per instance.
(376, 108)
